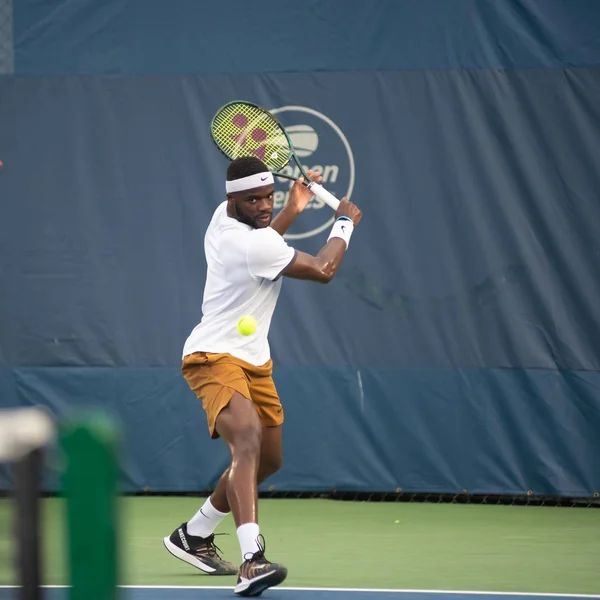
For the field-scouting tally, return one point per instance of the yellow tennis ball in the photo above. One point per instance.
(246, 325)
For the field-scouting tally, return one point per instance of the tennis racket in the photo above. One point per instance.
(244, 129)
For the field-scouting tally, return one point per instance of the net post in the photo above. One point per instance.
(27, 475)
(90, 486)
(24, 436)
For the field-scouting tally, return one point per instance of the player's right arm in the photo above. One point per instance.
(322, 267)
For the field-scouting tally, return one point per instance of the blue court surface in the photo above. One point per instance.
(290, 593)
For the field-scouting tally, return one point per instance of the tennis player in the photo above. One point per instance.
(232, 374)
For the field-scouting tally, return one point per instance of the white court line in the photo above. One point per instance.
(383, 590)
(325, 589)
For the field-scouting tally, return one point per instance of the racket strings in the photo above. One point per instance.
(241, 129)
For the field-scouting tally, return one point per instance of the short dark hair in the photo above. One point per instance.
(245, 166)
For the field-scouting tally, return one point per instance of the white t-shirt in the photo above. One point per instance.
(243, 278)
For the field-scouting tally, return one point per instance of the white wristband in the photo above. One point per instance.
(342, 228)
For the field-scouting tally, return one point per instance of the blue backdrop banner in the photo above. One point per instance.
(458, 346)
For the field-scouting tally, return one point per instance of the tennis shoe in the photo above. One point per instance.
(199, 552)
(257, 573)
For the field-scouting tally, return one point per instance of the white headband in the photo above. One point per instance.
(249, 183)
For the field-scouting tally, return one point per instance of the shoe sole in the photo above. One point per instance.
(257, 587)
(191, 560)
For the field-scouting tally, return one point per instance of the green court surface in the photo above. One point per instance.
(326, 543)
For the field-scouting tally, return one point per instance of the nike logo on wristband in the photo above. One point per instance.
(263, 178)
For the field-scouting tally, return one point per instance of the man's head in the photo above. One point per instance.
(250, 192)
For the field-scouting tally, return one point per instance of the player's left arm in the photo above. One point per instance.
(298, 200)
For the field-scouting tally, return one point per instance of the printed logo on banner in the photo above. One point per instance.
(321, 146)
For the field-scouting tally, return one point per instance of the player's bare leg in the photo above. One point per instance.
(271, 458)
(193, 542)
(198, 531)
(238, 424)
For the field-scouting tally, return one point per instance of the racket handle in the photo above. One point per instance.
(322, 194)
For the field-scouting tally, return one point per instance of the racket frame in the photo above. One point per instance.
(317, 189)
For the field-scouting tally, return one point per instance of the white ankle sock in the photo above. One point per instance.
(248, 537)
(205, 521)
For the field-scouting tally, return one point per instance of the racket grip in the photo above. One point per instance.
(322, 194)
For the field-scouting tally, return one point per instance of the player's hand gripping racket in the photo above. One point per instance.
(245, 129)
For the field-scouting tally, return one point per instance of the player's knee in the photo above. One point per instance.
(248, 440)
(273, 464)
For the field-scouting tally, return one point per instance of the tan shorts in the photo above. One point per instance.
(214, 378)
